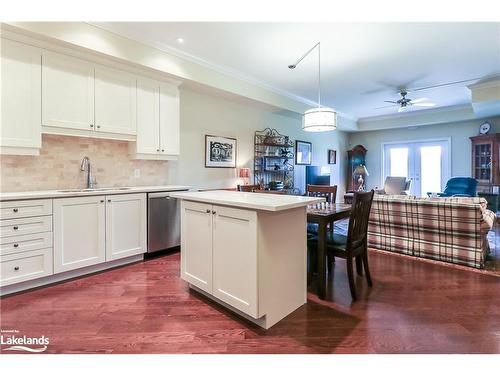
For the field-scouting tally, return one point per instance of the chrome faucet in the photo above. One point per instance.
(86, 167)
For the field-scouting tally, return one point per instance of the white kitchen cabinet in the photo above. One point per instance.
(20, 128)
(219, 253)
(234, 254)
(169, 120)
(115, 101)
(79, 232)
(196, 244)
(148, 117)
(67, 92)
(158, 133)
(125, 225)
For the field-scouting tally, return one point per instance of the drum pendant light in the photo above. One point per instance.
(319, 119)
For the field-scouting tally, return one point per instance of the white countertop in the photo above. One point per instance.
(256, 201)
(64, 193)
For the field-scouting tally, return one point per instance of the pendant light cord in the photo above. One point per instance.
(293, 66)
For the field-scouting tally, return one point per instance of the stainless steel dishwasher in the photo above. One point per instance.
(164, 222)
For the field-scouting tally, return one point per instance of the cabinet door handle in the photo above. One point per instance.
(109, 200)
(208, 211)
(157, 150)
(102, 200)
(213, 212)
(16, 245)
(16, 268)
(91, 125)
(162, 150)
(15, 210)
(98, 126)
(16, 227)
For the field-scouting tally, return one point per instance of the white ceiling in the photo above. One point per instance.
(363, 64)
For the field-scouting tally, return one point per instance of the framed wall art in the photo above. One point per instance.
(220, 152)
(303, 153)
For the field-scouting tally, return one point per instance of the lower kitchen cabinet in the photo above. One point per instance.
(79, 232)
(219, 253)
(125, 225)
(93, 230)
(196, 244)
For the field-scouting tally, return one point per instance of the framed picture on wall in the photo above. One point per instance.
(220, 152)
(303, 153)
(332, 157)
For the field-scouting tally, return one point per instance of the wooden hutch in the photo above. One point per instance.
(355, 157)
(485, 163)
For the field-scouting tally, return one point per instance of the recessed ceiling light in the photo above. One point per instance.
(180, 40)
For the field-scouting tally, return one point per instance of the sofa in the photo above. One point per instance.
(451, 230)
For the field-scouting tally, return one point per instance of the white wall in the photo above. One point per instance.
(203, 114)
(459, 132)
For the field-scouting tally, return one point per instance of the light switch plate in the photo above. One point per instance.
(137, 173)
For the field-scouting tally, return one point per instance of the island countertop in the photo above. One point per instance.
(255, 201)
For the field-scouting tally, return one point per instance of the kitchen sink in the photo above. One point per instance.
(91, 190)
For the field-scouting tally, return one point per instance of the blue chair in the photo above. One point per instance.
(459, 187)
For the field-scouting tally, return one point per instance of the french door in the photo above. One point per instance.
(426, 163)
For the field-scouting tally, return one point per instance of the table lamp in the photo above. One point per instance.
(245, 174)
(360, 171)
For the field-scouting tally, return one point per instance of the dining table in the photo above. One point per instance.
(324, 214)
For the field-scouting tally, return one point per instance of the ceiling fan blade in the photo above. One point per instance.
(419, 100)
(386, 106)
(390, 101)
(424, 104)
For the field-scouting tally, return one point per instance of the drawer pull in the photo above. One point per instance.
(214, 212)
(109, 200)
(16, 245)
(16, 268)
(102, 201)
(15, 210)
(15, 227)
(208, 211)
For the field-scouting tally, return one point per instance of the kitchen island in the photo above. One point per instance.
(246, 251)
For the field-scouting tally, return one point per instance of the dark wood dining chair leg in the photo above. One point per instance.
(359, 265)
(367, 269)
(330, 259)
(321, 257)
(350, 276)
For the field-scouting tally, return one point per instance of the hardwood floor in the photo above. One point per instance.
(413, 307)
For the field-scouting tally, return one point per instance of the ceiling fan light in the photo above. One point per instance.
(321, 119)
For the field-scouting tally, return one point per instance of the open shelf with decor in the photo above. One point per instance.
(273, 160)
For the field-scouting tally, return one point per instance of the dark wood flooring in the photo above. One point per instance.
(413, 307)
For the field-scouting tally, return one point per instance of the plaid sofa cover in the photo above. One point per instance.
(447, 229)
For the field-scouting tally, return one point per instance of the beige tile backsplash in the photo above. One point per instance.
(58, 166)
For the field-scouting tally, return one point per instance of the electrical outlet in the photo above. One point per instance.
(137, 173)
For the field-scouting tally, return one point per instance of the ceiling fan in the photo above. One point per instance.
(404, 103)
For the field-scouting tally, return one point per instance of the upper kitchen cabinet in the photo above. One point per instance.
(148, 119)
(157, 121)
(169, 120)
(115, 101)
(20, 128)
(67, 93)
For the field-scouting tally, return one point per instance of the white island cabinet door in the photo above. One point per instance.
(148, 117)
(125, 225)
(169, 120)
(20, 131)
(235, 258)
(79, 232)
(67, 92)
(115, 101)
(196, 244)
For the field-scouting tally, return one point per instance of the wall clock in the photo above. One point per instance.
(484, 128)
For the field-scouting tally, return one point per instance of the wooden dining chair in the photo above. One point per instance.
(248, 188)
(354, 245)
(324, 191)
